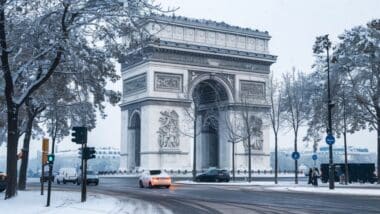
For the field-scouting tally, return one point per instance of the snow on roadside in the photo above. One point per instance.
(65, 202)
(343, 191)
(236, 183)
(352, 189)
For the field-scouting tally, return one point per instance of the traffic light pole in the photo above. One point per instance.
(84, 174)
(51, 163)
(42, 178)
(49, 184)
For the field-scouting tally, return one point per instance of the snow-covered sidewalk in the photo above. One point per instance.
(326, 190)
(352, 189)
(65, 202)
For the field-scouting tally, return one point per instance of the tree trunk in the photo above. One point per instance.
(195, 144)
(249, 159)
(345, 158)
(275, 159)
(25, 153)
(12, 144)
(295, 160)
(233, 160)
(378, 151)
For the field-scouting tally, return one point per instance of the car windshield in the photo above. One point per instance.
(212, 172)
(155, 172)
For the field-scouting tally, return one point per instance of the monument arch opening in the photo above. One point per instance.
(134, 131)
(209, 98)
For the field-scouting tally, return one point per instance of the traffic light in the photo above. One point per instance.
(88, 153)
(50, 158)
(79, 135)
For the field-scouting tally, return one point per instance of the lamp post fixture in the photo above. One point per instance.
(323, 43)
(330, 106)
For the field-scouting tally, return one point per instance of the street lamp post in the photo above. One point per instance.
(323, 43)
(330, 105)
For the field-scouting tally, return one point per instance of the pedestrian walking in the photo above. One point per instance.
(315, 176)
(310, 174)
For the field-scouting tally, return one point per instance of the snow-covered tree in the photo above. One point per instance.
(295, 105)
(275, 91)
(359, 52)
(43, 37)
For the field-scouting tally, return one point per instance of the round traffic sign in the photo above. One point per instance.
(295, 155)
(330, 140)
(314, 157)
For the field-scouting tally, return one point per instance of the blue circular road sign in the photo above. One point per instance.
(314, 157)
(330, 140)
(295, 155)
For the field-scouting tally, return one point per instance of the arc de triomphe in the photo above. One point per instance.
(198, 73)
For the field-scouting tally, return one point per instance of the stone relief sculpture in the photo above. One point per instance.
(134, 84)
(168, 132)
(168, 82)
(256, 143)
(253, 91)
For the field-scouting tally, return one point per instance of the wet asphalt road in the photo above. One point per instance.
(194, 199)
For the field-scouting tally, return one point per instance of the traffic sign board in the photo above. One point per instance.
(330, 140)
(314, 157)
(295, 155)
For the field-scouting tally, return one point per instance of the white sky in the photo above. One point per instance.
(293, 25)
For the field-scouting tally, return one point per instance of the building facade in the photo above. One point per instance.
(199, 80)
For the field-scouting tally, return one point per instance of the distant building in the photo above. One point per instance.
(106, 158)
(354, 155)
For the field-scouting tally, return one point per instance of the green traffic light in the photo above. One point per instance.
(50, 158)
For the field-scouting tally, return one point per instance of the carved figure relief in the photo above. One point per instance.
(252, 90)
(256, 143)
(168, 133)
(134, 84)
(168, 82)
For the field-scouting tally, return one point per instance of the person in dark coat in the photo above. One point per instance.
(315, 175)
(310, 174)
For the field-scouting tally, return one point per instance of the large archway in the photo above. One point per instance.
(209, 97)
(135, 140)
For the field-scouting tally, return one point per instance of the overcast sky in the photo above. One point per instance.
(293, 25)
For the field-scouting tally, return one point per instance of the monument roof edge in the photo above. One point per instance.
(213, 50)
(210, 24)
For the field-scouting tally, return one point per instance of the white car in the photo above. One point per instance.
(154, 178)
(67, 175)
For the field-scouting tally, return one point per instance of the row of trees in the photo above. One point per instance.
(56, 59)
(301, 99)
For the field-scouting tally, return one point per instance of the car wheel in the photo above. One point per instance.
(64, 181)
(197, 180)
(141, 185)
(217, 180)
(150, 185)
(97, 183)
(168, 186)
(58, 182)
(1, 190)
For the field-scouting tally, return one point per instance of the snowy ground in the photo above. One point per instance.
(64, 202)
(352, 189)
